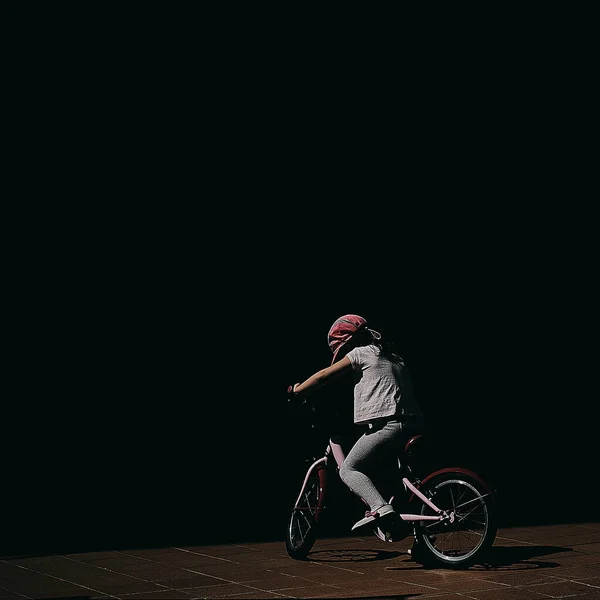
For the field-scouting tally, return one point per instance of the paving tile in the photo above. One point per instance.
(139, 587)
(59, 568)
(218, 569)
(26, 575)
(469, 585)
(544, 532)
(443, 596)
(34, 563)
(133, 570)
(547, 531)
(594, 580)
(559, 589)
(258, 564)
(278, 545)
(352, 594)
(579, 558)
(100, 578)
(177, 553)
(373, 567)
(518, 532)
(220, 591)
(408, 586)
(33, 585)
(184, 558)
(570, 541)
(246, 557)
(576, 571)
(265, 557)
(164, 595)
(333, 576)
(280, 582)
(502, 541)
(193, 561)
(193, 580)
(312, 591)
(69, 593)
(157, 573)
(525, 577)
(300, 568)
(422, 577)
(7, 569)
(226, 550)
(508, 593)
(144, 552)
(384, 587)
(255, 595)
(108, 563)
(585, 538)
(244, 576)
(90, 556)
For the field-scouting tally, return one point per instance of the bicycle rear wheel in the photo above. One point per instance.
(305, 517)
(462, 539)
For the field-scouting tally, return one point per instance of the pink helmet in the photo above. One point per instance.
(342, 331)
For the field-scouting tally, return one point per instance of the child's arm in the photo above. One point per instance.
(323, 376)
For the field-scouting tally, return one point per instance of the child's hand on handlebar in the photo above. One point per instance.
(291, 394)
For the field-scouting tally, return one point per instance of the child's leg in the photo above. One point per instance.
(372, 447)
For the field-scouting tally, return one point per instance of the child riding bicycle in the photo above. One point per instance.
(384, 404)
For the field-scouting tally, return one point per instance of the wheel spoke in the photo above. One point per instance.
(463, 517)
(477, 499)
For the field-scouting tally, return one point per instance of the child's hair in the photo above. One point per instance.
(368, 336)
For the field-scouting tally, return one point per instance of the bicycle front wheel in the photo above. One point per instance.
(306, 515)
(469, 529)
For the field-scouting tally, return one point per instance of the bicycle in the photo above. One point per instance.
(453, 522)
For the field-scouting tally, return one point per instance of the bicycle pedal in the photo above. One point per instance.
(397, 530)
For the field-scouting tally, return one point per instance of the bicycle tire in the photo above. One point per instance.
(466, 539)
(303, 522)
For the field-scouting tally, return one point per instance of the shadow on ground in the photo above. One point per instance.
(523, 557)
(352, 555)
(499, 558)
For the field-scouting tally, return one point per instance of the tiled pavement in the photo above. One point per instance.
(535, 562)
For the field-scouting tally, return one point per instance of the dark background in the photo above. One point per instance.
(193, 212)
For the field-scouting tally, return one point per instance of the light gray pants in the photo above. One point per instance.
(375, 445)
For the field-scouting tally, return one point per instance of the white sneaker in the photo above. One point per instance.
(369, 517)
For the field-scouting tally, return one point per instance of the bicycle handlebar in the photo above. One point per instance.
(293, 397)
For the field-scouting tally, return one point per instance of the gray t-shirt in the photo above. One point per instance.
(381, 386)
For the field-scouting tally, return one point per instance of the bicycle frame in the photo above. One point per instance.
(336, 451)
